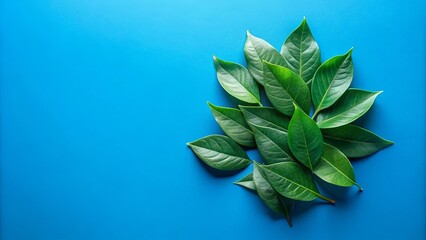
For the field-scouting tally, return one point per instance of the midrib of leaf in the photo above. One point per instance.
(297, 184)
(326, 92)
(234, 121)
(329, 163)
(218, 152)
(328, 119)
(274, 142)
(257, 100)
(346, 140)
(306, 147)
(300, 51)
(280, 128)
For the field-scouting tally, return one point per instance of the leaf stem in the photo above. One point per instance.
(326, 199)
(315, 114)
(290, 223)
(360, 188)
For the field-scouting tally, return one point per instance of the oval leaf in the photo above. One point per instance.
(305, 139)
(237, 81)
(257, 50)
(284, 88)
(265, 116)
(292, 181)
(352, 105)
(331, 80)
(272, 144)
(234, 125)
(268, 195)
(334, 167)
(301, 52)
(220, 152)
(246, 182)
(354, 141)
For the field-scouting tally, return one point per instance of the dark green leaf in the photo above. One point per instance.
(352, 105)
(331, 80)
(335, 168)
(265, 116)
(247, 182)
(237, 81)
(354, 141)
(220, 152)
(268, 195)
(232, 122)
(257, 50)
(292, 181)
(283, 88)
(305, 139)
(272, 144)
(301, 52)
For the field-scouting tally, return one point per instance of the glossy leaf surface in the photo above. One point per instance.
(354, 141)
(265, 116)
(268, 195)
(247, 182)
(334, 167)
(272, 144)
(257, 50)
(352, 105)
(220, 152)
(301, 52)
(234, 125)
(237, 81)
(305, 139)
(292, 181)
(284, 88)
(331, 80)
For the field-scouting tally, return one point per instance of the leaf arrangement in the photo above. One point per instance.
(293, 145)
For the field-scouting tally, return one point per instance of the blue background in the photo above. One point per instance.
(98, 99)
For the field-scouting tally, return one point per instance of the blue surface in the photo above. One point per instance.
(98, 99)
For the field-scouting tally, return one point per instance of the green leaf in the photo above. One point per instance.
(268, 195)
(331, 80)
(237, 81)
(283, 88)
(272, 144)
(354, 141)
(265, 116)
(234, 125)
(352, 105)
(292, 181)
(247, 182)
(301, 52)
(220, 152)
(257, 50)
(334, 167)
(305, 139)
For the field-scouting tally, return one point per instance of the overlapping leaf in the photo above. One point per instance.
(301, 52)
(220, 152)
(256, 51)
(232, 122)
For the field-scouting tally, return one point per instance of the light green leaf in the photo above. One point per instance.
(331, 80)
(220, 152)
(352, 105)
(301, 52)
(237, 81)
(234, 125)
(272, 144)
(354, 141)
(268, 195)
(305, 139)
(265, 116)
(247, 182)
(257, 50)
(335, 168)
(283, 88)
(292, 181)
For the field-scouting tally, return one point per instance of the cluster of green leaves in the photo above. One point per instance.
(293, 145)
